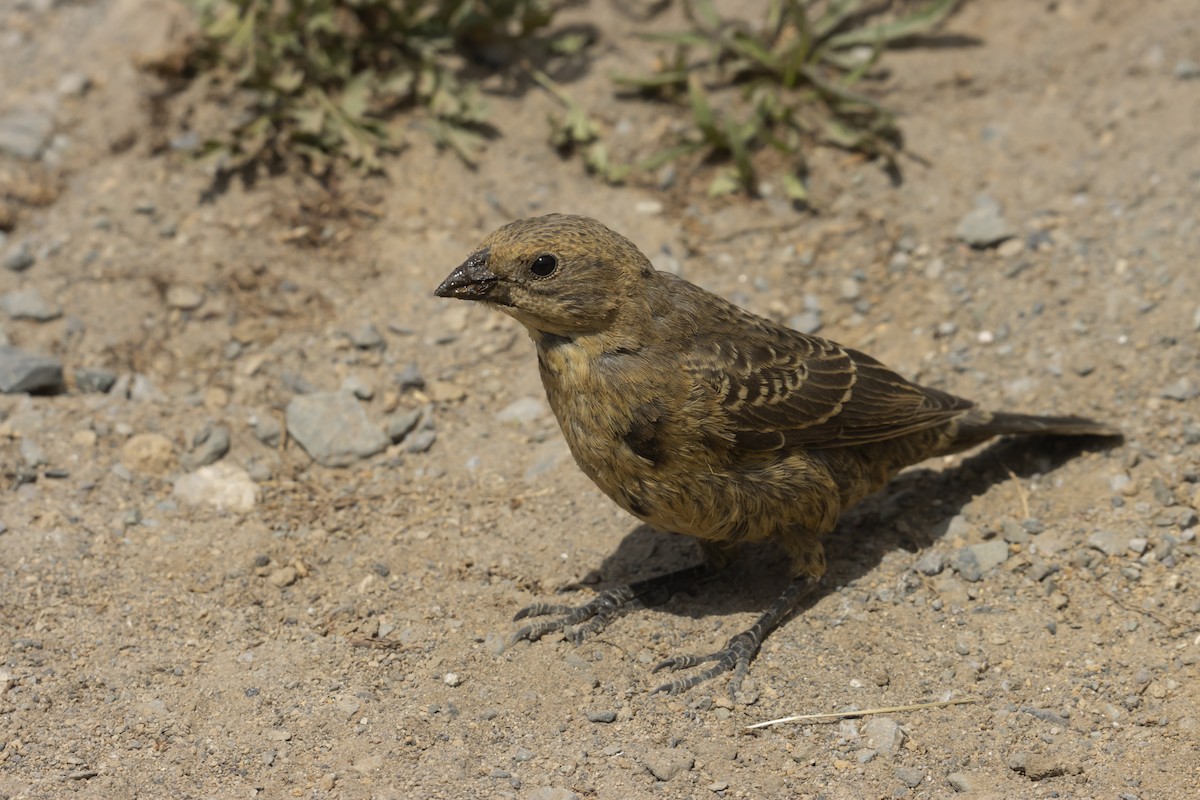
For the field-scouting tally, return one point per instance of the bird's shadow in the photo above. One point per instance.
(911, 513)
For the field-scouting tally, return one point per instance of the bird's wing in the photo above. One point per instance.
(780, 388)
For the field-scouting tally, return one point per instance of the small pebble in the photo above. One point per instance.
(807, 321)
(410, 378)
(184, 298)
(960, 782)
(1108, 542)
(221, 485)
(267, 429)
(522, 410)
(333, 428)
(284, 576)
(22, 372)
(31, 453)
(1181, 390)
(910, 776)
(665, 763)
(209, 446)
(602, 716)
(97, 381)
(883, 735)
(20, 258)
(402, 423)
(29, 304)
(367, 337)
(932, 562)
(420, 441)
(984, 226)
(1187, 70)
(452, 679)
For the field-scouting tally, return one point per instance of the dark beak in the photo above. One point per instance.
(472, 280)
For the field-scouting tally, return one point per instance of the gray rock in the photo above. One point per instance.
(1187, 70)
(410, 378)
(1181, 390)
(602, 716)
(28, 304)
(883, 735)
(333, 428)
(966, 564)
(367, 337)
(551, 793)
(208, 447)
(932, 562)
(142, 390)
(420, 441)
(522, 410)
(1013, 533)
(807, 321)
(32, 453)
(267, 429)
(1162, 493)
(22, 372)
(24, 133)
(990, 554)
(259, 471)
(96, 381)
(665, 763)
(960, 782)
(20, 258)
(910, 776)
(984, 226)
(401, 424)
(1108, 542)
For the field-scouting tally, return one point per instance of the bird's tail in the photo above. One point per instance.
(978, 426)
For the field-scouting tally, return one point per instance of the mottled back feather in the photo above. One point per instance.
(781, 388)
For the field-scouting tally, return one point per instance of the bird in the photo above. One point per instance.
(701, 418)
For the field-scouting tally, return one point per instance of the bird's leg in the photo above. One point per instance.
(592, 617)
(739, 650)
(807, 555)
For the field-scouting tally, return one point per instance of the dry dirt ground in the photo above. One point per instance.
(345, 636)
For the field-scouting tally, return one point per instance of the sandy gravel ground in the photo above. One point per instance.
(343, 633)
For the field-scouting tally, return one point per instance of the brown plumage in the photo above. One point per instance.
(698, 417)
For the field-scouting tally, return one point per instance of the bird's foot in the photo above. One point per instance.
(579, 622)
(739, 650)
(735, 656)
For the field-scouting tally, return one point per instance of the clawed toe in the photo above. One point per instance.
(540, 610)
(578, 622)
(735, 656)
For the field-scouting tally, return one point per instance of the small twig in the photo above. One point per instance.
(1020, 493)
(378, 644)
(865, 712)
(1159, 617)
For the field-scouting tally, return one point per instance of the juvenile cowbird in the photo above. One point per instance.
(698, 417)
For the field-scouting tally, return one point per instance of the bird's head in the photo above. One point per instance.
(558, 274)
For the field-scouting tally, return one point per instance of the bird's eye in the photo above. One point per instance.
(544, 265)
